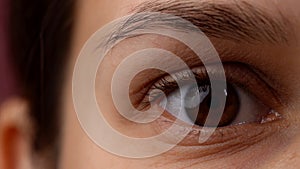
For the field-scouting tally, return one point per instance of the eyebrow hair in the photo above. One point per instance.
(238, 21)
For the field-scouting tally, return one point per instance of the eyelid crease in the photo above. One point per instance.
(229, 53)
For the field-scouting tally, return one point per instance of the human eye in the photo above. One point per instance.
(251, 104)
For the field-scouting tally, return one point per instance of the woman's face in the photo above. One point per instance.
(260, 127)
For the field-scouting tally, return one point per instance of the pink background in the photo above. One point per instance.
(6, 79)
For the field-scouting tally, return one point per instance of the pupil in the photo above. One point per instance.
(197, 105)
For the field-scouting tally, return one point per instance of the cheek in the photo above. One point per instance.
(78, 151)
(289, 158)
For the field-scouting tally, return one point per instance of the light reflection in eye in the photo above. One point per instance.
(241, 105)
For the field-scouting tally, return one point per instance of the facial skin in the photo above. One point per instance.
(279, 61)
(275, 146)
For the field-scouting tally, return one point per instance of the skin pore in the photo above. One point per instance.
(274, 57)
(277, 61)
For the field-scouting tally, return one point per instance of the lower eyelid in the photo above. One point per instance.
(224, 137)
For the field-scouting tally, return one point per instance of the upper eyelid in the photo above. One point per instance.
(228, 53)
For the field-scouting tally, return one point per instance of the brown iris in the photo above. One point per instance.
(199, 112)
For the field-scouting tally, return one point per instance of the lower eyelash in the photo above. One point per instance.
(225, 135)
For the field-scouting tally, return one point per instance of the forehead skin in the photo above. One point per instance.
(79, 152)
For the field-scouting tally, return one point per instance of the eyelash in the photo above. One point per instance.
(239, 74)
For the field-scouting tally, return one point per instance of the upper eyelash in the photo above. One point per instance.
(168, 86)
(248, 78)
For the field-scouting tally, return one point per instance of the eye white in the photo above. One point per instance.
(249, 110)
(174, 100)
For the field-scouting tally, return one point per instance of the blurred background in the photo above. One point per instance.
(7, 84)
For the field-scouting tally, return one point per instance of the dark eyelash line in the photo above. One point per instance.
(167, 85)
(239, 74)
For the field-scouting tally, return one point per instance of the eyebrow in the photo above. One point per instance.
(237, 21)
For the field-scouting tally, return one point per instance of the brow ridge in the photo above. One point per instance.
(239, 21)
